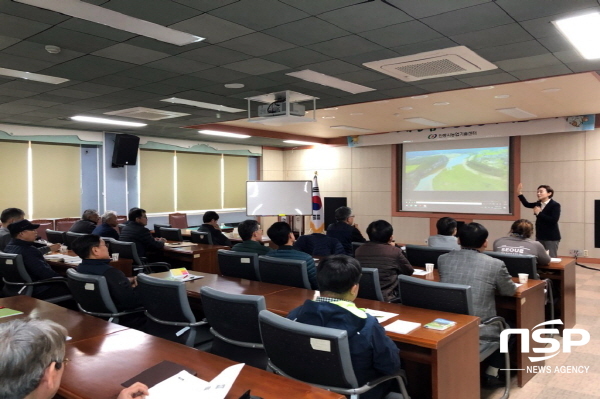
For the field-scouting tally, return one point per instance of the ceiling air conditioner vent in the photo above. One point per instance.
(148, 114)
(432, 64)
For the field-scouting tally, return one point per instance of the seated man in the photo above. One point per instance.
(251, 234)
(107, 228)
(318, 244)
(23, 235)
(12, 215)
(373, 354)
(486, 276)
(88, 222)
(281, 235)
(519, 242)
(95, 260)
(382, 253)
(344, 229)
(210, 225)
(32, 360)
(135, 231)
(445, 238)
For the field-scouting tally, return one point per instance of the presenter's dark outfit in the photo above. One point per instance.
(546, 224)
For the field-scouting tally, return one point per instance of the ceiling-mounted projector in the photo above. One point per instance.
(279, 108)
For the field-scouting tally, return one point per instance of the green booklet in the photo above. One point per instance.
(440, 324)
(6, 312)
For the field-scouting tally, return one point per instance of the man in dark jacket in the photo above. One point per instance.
(373, 354)
(96, 260)
(135, 231)
(23, 235)
(107, 228)
(318, 244)
(251, 234)
(210, 225)
(88, 222)
(344, 229)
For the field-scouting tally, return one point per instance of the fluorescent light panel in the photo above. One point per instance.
(224, 134)
(425, 121)
(330, 81)
(517, 113)
(583, 32)
(104, 16)
(352, 128)
(32, 76)
(91, 119)
(301, 142)
(200, 104)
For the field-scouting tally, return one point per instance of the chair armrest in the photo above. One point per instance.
(157, 267)
(49, 280)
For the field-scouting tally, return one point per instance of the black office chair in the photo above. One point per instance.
(238, 264)
(369, 287)
(292, 353)
(453, 298)
(70, 237)
(291, 272)
(93, 297)
(157, 228)
(120, 227)
(17, 280)
(56, 237)
(201, 237)
(418, 255)
(127, 250)
(171, 234)
(169, 313)
(233, 321)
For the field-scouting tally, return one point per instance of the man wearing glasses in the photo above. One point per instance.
(251, 234)
(344, 229)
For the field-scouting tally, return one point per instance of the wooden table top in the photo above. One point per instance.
(99, 365)
(193, 249)
(563, 264)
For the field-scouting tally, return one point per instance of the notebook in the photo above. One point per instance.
(6, 312)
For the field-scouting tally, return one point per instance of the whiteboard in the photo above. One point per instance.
(285, 197)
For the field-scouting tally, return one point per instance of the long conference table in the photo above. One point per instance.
(103, 355)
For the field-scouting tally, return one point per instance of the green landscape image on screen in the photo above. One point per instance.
(468, 169)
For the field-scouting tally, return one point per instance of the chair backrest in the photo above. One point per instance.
(291, 272)
(233, 316)
(91, 292)
(44, 225)
(418, 255)
(171, 234)
(120, 227)
(56, 237)
(178, 220)
(369, 287)
(125, 250)
(238, 264)
(12, 270)
(70, 237)
(355, 245)
(291, 349)
(64, 224)
(516, 264)
(445, 297)
(201, 237)
(173, 305)
(157, 228)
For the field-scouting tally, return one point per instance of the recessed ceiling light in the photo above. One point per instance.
(330, 109)
(425, 121)
(405, 108)
(326, 80)
(582, 31)
(301, 142)
(442, 103)
(224, 134)
(502, 96)
(104, 16)
(517, 113)
(200, 104)
(352, 128)
(91, 119)
(234, 85)
(419, 97)
(328, 117)
(551, 90)
(484, 88)
(32, 76)
(535, 81)
(356, 113)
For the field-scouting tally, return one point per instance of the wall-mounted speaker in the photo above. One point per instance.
(126, 150)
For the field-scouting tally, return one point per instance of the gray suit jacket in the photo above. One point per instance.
(484, 274)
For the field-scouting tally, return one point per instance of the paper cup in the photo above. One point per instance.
(429, 267)
(523, 277)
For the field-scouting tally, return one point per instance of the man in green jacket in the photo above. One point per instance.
(251, 232)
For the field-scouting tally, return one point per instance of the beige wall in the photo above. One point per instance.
(569, 162)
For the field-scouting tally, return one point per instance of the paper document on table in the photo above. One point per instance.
(402, 327)
(72, 259)
(419, 272)
(555, 260)
(380, 316)
(518, 285)
(185, 385)
(180, 244)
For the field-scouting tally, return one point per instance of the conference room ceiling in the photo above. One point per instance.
(258, 42)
